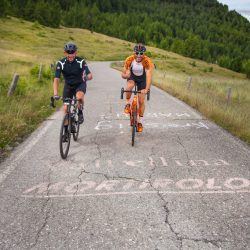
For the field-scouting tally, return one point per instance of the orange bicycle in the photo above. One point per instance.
(134, 110)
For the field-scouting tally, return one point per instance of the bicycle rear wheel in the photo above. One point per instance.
(65, 134)
(133, 125)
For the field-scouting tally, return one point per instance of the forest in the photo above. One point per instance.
(201, 29)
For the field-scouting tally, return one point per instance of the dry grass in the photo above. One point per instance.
(209, 95)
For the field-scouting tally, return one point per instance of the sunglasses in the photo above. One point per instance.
(70, 51)
(139, 53)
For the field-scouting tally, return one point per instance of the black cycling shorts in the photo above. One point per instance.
(70, 91)
(139, 80)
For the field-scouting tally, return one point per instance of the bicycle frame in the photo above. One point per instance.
(134, 110)
(135, 106)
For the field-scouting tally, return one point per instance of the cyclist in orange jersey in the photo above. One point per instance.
(138, 69)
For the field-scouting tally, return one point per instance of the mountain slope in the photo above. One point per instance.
(203, 29)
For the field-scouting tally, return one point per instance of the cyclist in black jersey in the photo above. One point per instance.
(75, 72)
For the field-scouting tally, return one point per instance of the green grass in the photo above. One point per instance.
(25, 45)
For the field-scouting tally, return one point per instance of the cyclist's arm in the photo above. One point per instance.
(56, 83)
(126, 68)
(125, 73)
(149, 76)
(57, 78)
(149, 71)
(87, 75)
(148, 79)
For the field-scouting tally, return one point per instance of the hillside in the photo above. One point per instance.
(203, 29)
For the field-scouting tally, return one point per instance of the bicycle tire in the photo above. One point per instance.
(148, 95)
(122, 91)
(64, 145)
(133, 125)
(77, 129)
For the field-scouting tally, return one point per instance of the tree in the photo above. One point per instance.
(224, 61)
(246, 67)
(41, 12)
(3, 8)
(29, 10)
(236, 64)
(46, 13)
(193, 47)
(178, 46)
(140, 35)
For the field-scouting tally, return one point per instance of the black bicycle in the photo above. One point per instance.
(70, 124)
(134, 109)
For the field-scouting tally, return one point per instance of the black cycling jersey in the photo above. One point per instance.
(72, 71)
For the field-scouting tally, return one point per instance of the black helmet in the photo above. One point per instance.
(70, 48)
(139, 48)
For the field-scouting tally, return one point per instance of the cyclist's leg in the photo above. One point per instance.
(141, 98)
(68, 92)
(141, 84)
(80, 93)
(80, 98)
(130, 86)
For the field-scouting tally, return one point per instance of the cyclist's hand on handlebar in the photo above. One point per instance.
(144, 91)
(56, 97)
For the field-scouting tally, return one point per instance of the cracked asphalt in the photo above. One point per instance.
(184, 185)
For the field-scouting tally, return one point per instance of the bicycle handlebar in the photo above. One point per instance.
(53, 99)
(135, 92)
(132, 91)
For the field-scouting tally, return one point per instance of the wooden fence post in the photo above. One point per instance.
(13, 84)
(40, 72)
(229, 92)
(189, 82)
(52, 72)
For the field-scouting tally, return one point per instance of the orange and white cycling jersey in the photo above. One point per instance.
(146, 62)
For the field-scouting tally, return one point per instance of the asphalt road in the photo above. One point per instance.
(184, 185)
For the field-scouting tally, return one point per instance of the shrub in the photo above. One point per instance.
(246, 68)
(193, 64)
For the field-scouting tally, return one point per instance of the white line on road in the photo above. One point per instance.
(13, 164)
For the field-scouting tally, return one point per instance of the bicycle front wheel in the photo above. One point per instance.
(133, 125)
(65, 134)
(76, 125)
